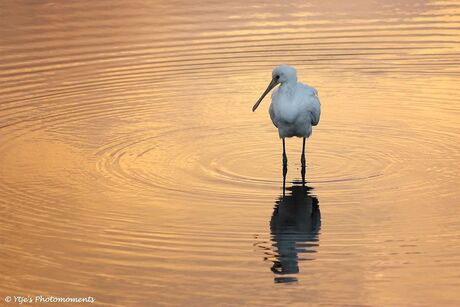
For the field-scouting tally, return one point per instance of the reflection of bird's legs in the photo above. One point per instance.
(302, 159)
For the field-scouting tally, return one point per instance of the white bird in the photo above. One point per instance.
(295, 107)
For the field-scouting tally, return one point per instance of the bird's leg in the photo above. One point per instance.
(303, 175)
(302, 159)
(284, 180)
(284, 165)
(284, 154)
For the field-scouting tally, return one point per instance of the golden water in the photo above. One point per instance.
(133, 170)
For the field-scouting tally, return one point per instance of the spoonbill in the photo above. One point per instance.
(295, 107)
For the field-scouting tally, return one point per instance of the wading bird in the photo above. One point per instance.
(295, 107)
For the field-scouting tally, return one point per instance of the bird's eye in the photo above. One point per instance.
(277, 77)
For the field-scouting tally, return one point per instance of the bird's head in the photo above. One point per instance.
(280, 74)
(284, 73)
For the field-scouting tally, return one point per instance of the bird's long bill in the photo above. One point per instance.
(272, 84)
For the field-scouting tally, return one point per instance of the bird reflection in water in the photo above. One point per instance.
(294, 228)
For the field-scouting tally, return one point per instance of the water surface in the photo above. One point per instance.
(133, 170)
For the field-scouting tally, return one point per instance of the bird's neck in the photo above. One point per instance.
(288, 87)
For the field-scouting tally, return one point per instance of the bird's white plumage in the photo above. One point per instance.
(295, 107)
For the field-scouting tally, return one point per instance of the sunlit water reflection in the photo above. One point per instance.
(133, 170)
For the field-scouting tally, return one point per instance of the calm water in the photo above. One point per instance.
(133, 170)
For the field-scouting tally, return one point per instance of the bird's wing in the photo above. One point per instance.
(310, 94)
(315, 109)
